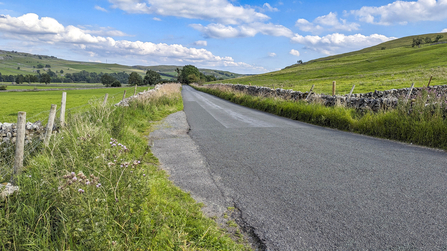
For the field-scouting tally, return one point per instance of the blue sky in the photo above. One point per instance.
(239, 36)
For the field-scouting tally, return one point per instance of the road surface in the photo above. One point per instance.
(304, 187)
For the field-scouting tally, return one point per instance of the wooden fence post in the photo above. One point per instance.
(350, 93)
(20, 144)
(429, 81)
(49, 129)
(310, 92)
(135, 91)
(333, 88)
(63, 104)
(409, 92)
(105, 99)
(124, 95)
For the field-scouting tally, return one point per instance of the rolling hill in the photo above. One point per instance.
(393, 64)
(14, 63)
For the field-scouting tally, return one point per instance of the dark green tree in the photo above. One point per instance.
(107, 80)
(190, 74)
(45, 78)
(427, 40)
(437, 38)
(20, 79)
(116, 83)
(40, 66)
(417, 41)
(152, 78)
(135, 79)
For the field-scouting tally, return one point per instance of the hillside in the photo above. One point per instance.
(15, 63)
(393, 64)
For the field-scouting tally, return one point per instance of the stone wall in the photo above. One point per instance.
(141, 95)
(8, 133)
(373, 100)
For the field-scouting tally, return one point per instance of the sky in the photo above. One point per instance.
(244, 36)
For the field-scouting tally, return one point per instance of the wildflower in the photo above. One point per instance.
(73, 174)
(75, 179)
(99, 185)
(87, 182)
(144, 175)
(113, 243)
(29, 176)
(81, 191)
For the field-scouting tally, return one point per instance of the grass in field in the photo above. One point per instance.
(125, 202)
(398, 66)
(412, 122)
(37, 104)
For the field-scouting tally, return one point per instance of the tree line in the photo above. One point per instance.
(419, 40)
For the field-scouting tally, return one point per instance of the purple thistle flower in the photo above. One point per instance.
(75, 179)
(144, 175)
(99, 185)
(81, 191)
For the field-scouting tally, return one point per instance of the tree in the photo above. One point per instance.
(45, 78)
(20, 79)
(416, 42)
(190, 74)
(116, 83)
(299, 61)
(135, 79)
(61, 71)
(40, 66)
(47, 66)
(427, 40)
(152, 78)
(437, 38)
(107, 80)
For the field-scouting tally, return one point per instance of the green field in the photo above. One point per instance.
(394, 64)
(11, 61)
(37, 104)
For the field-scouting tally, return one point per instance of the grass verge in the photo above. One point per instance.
(412, 122)
(98, 187)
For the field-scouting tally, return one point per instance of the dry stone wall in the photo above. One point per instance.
(373, 100)
(140, 95)
(8, 133)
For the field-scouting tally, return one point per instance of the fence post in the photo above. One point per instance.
(429, 81)
(333, 88)
(105, 99)
(350, 93)
(135, 91)
(124, 95)
(20, 144)
(63, 104)
(409, 92)
(49, 129)
(310, 91)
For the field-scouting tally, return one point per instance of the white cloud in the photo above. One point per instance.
(444, 30)
(402, 12)
(31, 29)
(105, 31)
(156, 19)
(339, 43)
(100, 8)
(246, 30)
(272, 54)
(268, 7)
(201, 43)
(294, 53)
(221, 11)
(329, 21)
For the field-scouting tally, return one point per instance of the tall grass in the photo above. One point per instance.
(98, 187)
(420, 121)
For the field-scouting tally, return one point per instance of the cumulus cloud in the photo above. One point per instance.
(268, 7)
(339, 43)
(444, 30)
(105, 31)
(45, 30)
(100, 8)
(294, 53)
(401, 12)
(221, 11)
(201, 43)
(246, 30)
(156, 19)
(329, 21)
(272, 54)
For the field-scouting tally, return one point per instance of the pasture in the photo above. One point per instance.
(37, 104)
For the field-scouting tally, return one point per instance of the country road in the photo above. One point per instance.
(304, 187)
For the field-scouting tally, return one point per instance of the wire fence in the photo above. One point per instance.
(35, 142)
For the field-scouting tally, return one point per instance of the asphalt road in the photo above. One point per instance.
(303, 187)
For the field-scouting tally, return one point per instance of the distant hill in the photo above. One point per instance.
(393, 64)
(14, 63)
